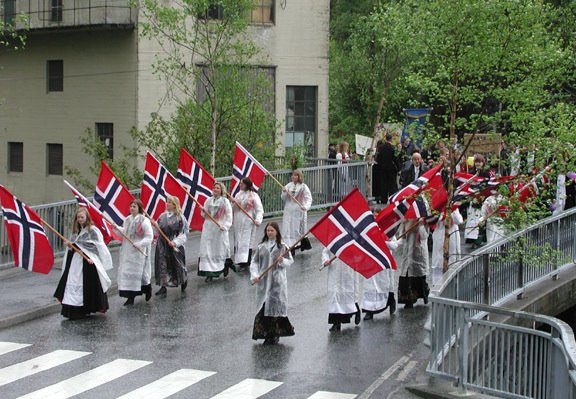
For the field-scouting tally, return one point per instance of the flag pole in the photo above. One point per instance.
(290, 195)
(244, 211)
(204, 210)
(160, 231)
(328, 263)
(68, 243)
(124, 235)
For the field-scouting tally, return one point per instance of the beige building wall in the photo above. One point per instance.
(100, 72)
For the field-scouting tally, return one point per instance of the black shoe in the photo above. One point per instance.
(183, 286)
(129, 301)
(408, 306)
(368, 316)
(161, 291)
(208, 279)
(335, 327)
(148, 292)
(233, 267)
(226, 270)
(392, 303)
(358, 315)
(426, 300)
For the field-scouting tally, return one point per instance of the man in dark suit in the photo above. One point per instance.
(388, 166)
(414, 170)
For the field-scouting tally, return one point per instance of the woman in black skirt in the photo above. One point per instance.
(84, 282)
(271, 322)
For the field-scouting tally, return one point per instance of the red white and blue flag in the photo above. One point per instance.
(97, 217)
(158, 183)
(350, 232)
(245, 165)
(390, 218)
(26, 235)
(199, 184)
(111, 196)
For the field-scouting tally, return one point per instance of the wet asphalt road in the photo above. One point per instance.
(209, 328)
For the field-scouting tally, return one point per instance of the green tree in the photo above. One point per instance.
(209, 64)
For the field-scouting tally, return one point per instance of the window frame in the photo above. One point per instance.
(260, 7)
(53, 169)
(15, 157)
(105, 131)
(307, 138)
(54, 76)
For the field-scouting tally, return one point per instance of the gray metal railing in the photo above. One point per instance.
(502, 352)
(328, 185)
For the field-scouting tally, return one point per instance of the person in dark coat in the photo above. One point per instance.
(389, 166)
(414, 170)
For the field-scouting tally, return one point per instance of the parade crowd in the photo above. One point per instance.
(482, 193)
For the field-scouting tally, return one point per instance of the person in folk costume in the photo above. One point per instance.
(474, 232)
(343, 157)
(135, 268)
(343, 292)
(294, 220)
(170, 257)
(378, 292)
(414, 264)
(271, 321)
(494, 211)
(214, 241)
(83, 284)
(244, 228)
(438, 235)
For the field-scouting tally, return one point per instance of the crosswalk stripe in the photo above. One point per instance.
(88, 380)
(6, 347)
(168, 385)
(41, 363)
(249, 388)
(332, 395)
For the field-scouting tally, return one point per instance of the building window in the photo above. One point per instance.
(263, 12)
(301, 118)
(55, 75)
(55, 159)
(56, 10)
(214, 11)
(105, 132)
(9, 11)
(15, 157)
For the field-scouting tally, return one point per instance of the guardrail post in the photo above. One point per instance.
(462, 342)
(486, 278)
(520, 275)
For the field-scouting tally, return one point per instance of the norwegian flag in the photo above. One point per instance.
(26, 235)
(111, 196)
(97, 217)
(245, 165)
(431, 201)
(158, 183)
(472, 186)
(390, 218)
(199, 184)
(349, 231)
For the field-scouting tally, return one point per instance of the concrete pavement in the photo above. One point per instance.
(27, 296)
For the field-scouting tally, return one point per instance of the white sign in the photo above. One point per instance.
(363, 143)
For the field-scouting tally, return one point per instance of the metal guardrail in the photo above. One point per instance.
(502, 352)
(325, 182)
(49, 14)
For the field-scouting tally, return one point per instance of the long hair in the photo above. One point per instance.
(223, 192)
(176, 203)
(248, 182)
(299, 174)
(75, 225)
(139, 204)
(275, 226)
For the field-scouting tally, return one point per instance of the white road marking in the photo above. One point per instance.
(6, 347)
(403, 374)
(248, 389)
(169, 384)
(88, 380)
(331, 395)
(380, 380)
(41, 363)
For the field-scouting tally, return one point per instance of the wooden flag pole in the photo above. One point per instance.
(273, 264)
(290, 195)
(244, 211)
(332, 259)
(68, 243)
(155, 224)
(204, 210)
(124, 235)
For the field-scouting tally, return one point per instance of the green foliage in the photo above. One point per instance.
(96, 150)
(221, 98)
(12, 38)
